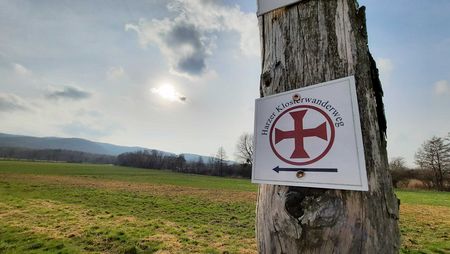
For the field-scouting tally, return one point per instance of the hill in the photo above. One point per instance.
(74, 144)
(83, 145)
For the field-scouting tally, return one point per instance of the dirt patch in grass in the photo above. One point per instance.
(170, 242)
(425, 227)
(47, 217)
(154, 189)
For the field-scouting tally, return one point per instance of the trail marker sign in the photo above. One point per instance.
(265, 6)
(310, 137)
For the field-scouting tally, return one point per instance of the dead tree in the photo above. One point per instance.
(304, 44)
(434, 155)
(245, 149)
(221, 156)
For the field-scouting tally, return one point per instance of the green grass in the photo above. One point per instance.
(420, 197)
(84, 208)
(46, 207)
(126, 174)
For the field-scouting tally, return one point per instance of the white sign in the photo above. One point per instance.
(269, 5)
(310, 137)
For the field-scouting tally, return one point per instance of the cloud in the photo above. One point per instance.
(21, 70)
(441, 87)
(188, 39)
(115, 73)
(69, 92)
(11, 102)
(79, 129)
(181, 43)
(385, 67)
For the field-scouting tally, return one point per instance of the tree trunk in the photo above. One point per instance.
(304, 44)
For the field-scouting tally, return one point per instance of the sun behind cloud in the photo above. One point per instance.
(168, 92)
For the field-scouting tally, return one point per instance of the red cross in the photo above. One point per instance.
(298, 134)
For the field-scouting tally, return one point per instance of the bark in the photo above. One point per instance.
(304, 44)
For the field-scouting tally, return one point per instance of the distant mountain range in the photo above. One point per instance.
(82, 145)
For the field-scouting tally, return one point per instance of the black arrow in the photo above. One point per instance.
(332, 170)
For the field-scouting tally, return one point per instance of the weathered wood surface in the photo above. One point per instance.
(304, 44)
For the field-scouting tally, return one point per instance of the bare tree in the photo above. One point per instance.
(397, 163)
(221, 156)
(244, 148)
(435, 155)
(399, 170)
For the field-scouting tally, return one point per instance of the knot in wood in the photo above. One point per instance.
(266, 78)
(321, 212)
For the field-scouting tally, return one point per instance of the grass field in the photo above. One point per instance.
(74, 208)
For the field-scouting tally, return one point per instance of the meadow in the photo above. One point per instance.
(84, 208)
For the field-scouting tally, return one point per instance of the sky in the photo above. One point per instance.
(182, 75)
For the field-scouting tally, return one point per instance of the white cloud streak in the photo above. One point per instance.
(115, 73)
(21, 70)
(11, 102)
(385, 68)
(441, 88)
(84, 128)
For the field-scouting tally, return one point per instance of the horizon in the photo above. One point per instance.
(182, 76)
(114, 144)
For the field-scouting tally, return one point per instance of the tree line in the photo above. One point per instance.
(55, 155)
(433, 166)
(215, 166)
